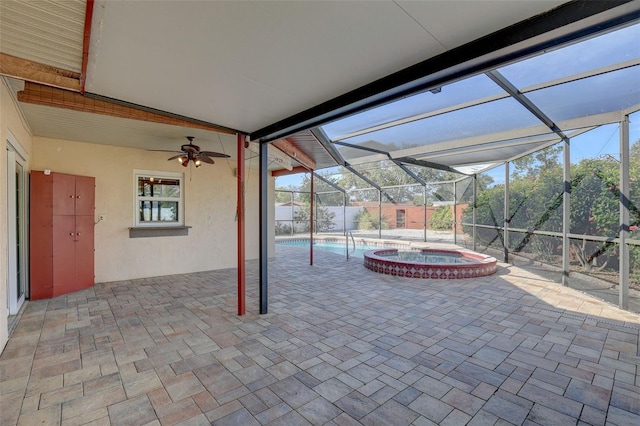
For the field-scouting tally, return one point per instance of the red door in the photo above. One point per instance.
(84, 252)
(64, 259)
(64, 194)
(85, 195)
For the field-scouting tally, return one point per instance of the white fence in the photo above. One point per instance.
(343, 219)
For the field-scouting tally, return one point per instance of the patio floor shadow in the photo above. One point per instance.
(341, 345)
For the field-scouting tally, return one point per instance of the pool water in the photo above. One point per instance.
(336, 247)
(418, 257)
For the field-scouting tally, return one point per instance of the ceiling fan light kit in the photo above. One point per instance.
(191, 153)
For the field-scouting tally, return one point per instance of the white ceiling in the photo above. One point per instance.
(247, 64)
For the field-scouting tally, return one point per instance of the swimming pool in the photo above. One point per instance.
(333, 246)
(401, 259)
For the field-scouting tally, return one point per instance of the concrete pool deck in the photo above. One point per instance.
(341, 345)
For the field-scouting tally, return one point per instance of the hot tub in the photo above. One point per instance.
(430, 263)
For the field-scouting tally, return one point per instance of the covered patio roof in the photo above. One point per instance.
(352, 74)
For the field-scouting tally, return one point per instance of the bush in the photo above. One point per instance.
(282, 228)
(367, 221)
(442, 219)
(323, 219)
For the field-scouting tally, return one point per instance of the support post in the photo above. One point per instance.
(455, 213)
(505, 232)
(475, 205)
(625, 195)
(264, 228)
(241, 230)
(379, 214)
(424, 209)
(344, 213)
(293, 216)
(311, 204)
(566, 210)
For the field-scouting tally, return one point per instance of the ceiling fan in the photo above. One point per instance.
(191, 153)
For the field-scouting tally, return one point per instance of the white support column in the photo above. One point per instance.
(624, 213)
(566, 210)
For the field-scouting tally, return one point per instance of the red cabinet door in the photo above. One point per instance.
(40, 236)
(85, 196)
(84, 252)
(64, 194)
(62, 239)
(64, 258)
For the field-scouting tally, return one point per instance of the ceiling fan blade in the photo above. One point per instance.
(203, 157)
(215, 154)
(175, 156)
(163, 150)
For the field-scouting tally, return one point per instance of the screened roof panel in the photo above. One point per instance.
(497, 116)
(386, 169)
(494, 155)
(472, 124)
(320, 186)
(344, 178)
(612, 91)
(469, 155)
(475, 168)
(608, 49)
(353, 153)
(461, 92)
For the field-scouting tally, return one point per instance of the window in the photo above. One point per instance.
(159, 199)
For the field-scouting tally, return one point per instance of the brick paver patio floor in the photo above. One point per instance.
(341, 345)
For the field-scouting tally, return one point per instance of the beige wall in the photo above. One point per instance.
(10, 122)
(210, 209)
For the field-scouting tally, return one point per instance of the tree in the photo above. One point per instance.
(442, 218)
(536, 163)
(323, 218)
(536, 195)
(365, 220)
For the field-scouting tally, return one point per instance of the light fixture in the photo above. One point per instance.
(198, 163)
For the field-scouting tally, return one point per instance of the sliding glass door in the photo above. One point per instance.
(16, 230)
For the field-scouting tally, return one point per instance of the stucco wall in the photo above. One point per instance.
(10, 121)
(210, 206)
(210, 209)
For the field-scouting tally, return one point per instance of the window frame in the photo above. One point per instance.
(138, 198)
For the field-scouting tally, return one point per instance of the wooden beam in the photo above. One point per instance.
(286, 146)
(51, 96)
(285, 172)
(24, 69)
(86, 41)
